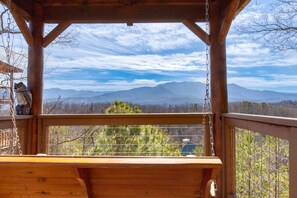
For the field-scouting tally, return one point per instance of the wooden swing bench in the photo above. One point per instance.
(92, 177)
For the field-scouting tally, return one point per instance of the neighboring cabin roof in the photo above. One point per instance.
(120, 11)
(6, 68)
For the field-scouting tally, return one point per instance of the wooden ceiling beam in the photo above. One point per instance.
(50, 37)
(121, 2)
(198, 31)
(227, 21)
(25, 7)
(20, 21)
(125, 14)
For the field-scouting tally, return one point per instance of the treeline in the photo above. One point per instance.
(283, 109)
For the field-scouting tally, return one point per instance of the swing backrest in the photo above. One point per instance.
(47, 176)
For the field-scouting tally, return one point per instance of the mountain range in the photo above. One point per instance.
(168, 93)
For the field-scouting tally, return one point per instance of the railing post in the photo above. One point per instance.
(42, 137)
(293, 162)
(207, 145)
(229, 162)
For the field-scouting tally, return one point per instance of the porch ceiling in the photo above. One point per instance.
(121, 11)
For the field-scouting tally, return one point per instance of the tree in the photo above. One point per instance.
(145, 140)
(278, 28)
(261, 165)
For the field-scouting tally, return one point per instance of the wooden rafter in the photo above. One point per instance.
(231, 12)
(83, 177)
(242, 5)
(55, 33)
(198, 31)
(24, 6)
(20, 21)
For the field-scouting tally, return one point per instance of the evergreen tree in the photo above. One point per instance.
(126, 140)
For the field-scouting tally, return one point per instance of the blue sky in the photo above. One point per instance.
(112, 57)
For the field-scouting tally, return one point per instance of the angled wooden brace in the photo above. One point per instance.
(82, 176)
(20, 21)
(50, 37)
(198, 31)
(231, 13)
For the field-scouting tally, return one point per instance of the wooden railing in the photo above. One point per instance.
(46, 121)
(23, 124)
(282, 128)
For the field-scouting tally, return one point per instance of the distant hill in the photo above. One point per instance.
(168, 93)
(54, 93)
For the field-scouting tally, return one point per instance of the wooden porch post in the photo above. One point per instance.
(218, 75)
(35, 70)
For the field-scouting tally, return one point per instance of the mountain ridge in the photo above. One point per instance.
(167, 93)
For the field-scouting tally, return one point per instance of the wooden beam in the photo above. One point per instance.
(121, 2)
(20, 21)
(35, 71)
(122, 119)
(123, 14)
(231, 12)
(218, 81)
(24, 6)
(242, 5)
(83, 177)
(50, 37)
(198, 31)
(269, 120)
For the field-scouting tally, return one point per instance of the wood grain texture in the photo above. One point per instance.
(52, 176)
(198, 31)
(122, 119)
(218, 81)
(20, 21)
(51, 36)
(228, 18)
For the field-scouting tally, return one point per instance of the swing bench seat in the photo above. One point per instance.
(92, 177)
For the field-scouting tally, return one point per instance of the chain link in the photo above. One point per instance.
(207, 103)
(9, 80)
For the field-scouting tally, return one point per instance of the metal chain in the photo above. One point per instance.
(207, 103)
(8, 49)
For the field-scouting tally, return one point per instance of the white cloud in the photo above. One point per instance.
(139, 37)
(278, 82)
(175, 62)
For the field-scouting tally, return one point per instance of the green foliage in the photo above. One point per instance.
(261, 165)
(133, 140)
(122, 107)
(144, 140)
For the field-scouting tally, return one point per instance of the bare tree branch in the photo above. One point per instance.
(278, 29)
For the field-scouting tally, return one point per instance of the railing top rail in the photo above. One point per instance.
(122, 119)
(122, 115)
(274, 120)
(18, 117)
